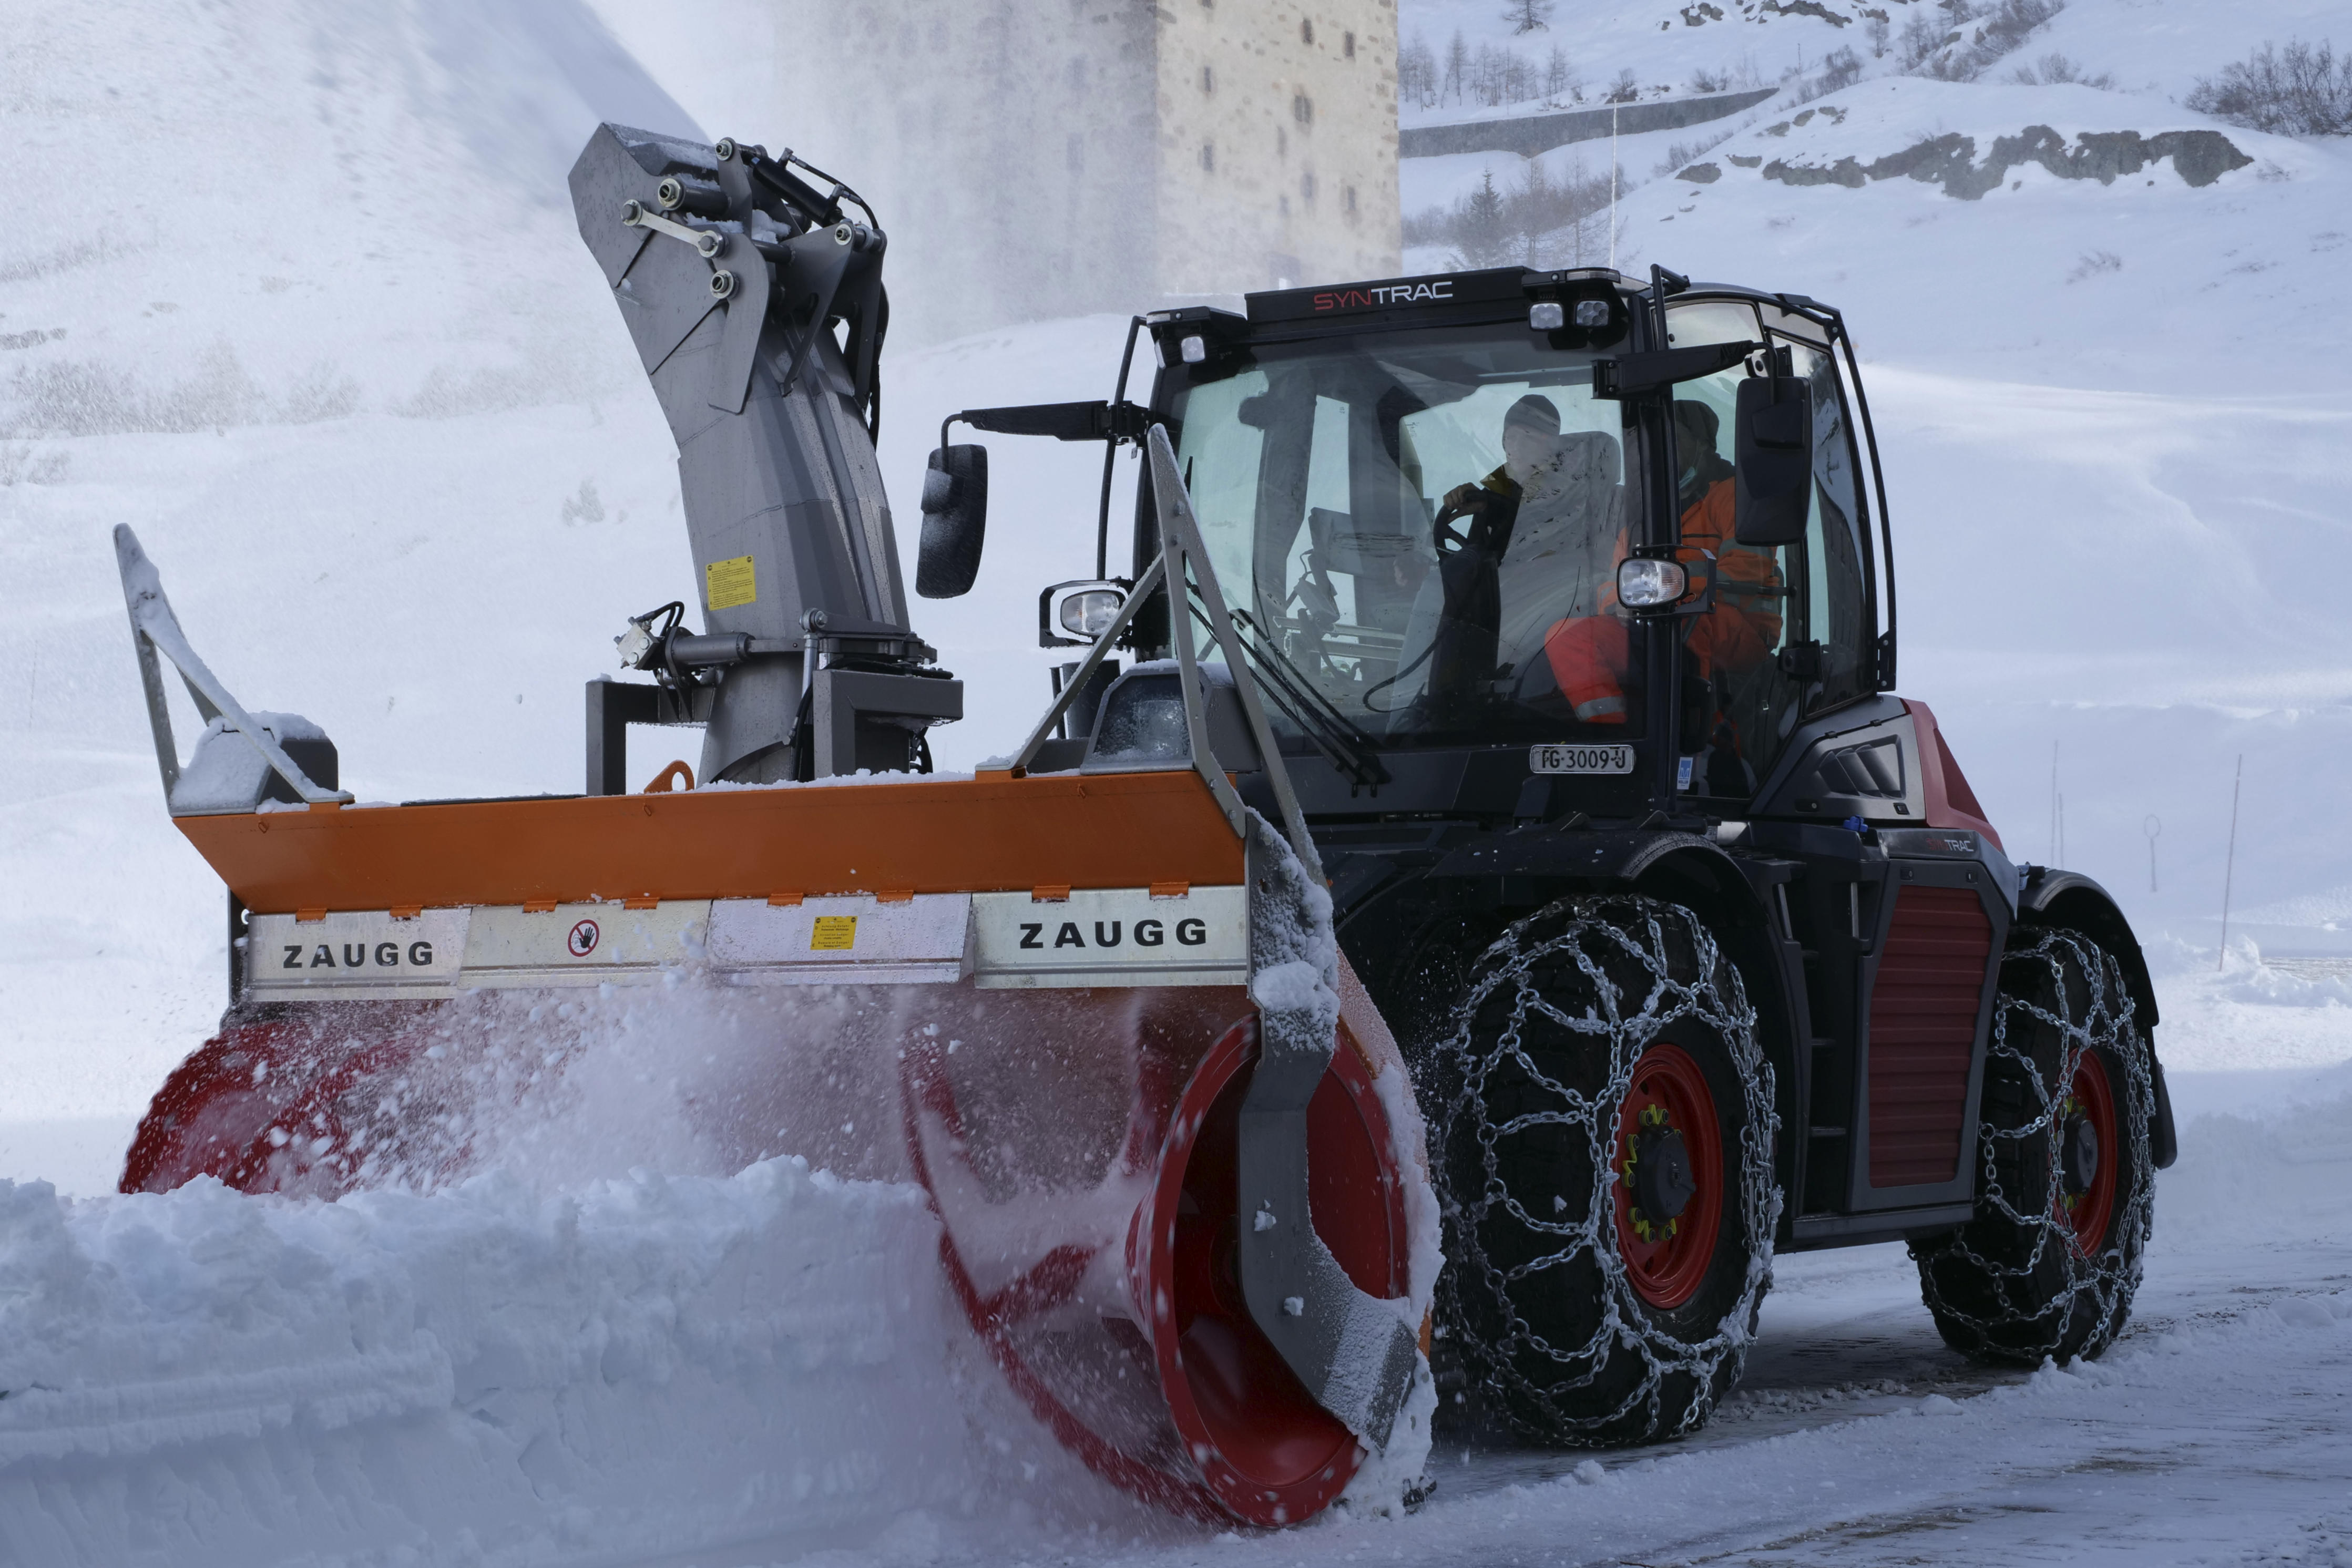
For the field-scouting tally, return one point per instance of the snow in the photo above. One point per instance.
(331, 345)
(761, 1368)
(490, 1374)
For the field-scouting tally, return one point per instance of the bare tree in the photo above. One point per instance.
(1558, 77)
(1417, 77)
(1457, 63)
(1920, 40)
(2296, 91)
(1528, 15)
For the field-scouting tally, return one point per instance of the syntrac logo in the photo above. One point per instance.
(1437, 293)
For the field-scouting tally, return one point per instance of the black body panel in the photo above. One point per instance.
(1868, 936)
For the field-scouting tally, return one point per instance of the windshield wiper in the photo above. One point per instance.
(1352, 750)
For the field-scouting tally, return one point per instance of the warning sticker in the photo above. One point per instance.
(728, 583)
(834, 934)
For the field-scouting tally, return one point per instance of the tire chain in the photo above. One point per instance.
(1635, 928)
(2113, 1277)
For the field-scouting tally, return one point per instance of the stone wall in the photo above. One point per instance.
(1277, 144)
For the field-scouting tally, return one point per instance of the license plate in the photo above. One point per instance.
(1581, 760)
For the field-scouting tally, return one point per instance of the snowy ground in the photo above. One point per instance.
(762, 1370)
(393, 458)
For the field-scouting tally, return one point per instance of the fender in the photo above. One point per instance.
(1536, 866)
(2069, 901)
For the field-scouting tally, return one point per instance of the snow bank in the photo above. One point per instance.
(485, 1375)
(2275, 1169)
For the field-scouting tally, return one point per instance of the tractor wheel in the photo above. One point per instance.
(2047, 1268)
(1606, 1180)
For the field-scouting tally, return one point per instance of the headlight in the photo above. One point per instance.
(1644, 584)
(1089, 614)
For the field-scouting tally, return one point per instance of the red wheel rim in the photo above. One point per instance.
(1666, 1261)
(2091, 1098)
(1268, 1452)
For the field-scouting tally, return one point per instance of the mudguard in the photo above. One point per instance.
(2071, 900)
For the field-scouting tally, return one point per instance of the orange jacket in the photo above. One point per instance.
(1744, 627)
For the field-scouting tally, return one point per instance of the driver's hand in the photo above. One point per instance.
(1465, 499)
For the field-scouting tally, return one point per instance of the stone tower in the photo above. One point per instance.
(1039, 158)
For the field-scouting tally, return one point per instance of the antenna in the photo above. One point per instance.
(2230, 865)
(1612, 187)
(2057, 812)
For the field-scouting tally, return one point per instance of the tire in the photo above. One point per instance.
(1597, 1030)
(2048, 1268)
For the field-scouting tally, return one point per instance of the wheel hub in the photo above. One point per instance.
(1662, 1182)
(2078, 1154)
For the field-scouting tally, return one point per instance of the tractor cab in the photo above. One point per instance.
(1512, 544)
(1500, 518)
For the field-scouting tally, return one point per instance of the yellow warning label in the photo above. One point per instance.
(834, 934)
(728, 583)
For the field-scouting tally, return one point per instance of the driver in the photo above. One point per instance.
(1464, 646)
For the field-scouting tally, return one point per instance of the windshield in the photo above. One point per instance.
(1422, 530)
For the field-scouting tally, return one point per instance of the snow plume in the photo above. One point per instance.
(557, 1090)
(685, 1077)
(518, 1344)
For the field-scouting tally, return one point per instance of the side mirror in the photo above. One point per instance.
(1773, 450)
(955, 515)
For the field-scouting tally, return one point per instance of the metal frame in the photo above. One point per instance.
(1182, 548)
(155, 629)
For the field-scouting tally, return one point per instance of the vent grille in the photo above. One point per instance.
(1923, 1028)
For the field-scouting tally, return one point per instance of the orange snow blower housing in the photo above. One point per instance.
(1063, 966)
(1178, 1174)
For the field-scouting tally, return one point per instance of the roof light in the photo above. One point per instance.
(1194, 349)
(1592, 312)
(1546, 316)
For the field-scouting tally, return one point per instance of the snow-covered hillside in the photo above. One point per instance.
(2105, 354)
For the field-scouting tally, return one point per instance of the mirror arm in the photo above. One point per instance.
(1635, 375)
(1110, 452)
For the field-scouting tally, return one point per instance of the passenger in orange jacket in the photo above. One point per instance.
(1590, 655)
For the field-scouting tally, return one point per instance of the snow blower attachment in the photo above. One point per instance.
(1168, 1138)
